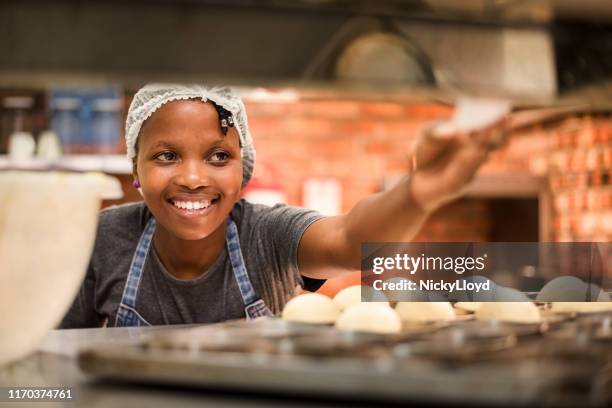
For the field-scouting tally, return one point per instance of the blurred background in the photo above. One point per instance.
(336, 91)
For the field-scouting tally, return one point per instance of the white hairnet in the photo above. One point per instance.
(151, 97)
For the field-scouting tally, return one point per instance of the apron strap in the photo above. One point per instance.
(140, 256)
(254, 306)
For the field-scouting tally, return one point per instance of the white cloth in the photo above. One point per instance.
(151, 97)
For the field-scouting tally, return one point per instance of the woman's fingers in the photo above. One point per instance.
(435, 141)
(494, 136)
(431, 143)
(444, 178)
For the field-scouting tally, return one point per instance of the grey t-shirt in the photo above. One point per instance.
(269, 238)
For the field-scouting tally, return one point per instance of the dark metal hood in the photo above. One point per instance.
(533, 51)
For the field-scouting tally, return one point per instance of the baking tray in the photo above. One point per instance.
(468, 362)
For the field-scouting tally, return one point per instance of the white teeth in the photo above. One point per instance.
(192, 205)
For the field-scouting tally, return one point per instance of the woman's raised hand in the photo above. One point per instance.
(447, 154)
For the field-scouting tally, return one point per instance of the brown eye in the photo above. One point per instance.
(165, 156)
(219, 157)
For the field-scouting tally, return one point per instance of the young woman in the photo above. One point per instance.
(194, 252)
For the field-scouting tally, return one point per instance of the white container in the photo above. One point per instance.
(21, 146)
(49, 146)
(48, 225)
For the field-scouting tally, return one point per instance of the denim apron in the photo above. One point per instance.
(127, 316)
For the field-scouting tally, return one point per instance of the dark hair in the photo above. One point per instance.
(226, 120)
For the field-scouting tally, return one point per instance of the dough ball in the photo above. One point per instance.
(563, 289)
(511, 312)
(601, 304)
(468, 306)
(356, 294)
(581, 307)
(369, 317)
(601, 295)
(423, 312)
(311, 308)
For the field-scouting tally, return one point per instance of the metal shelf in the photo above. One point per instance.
(111, 163)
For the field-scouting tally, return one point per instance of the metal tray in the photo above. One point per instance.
(469, 362)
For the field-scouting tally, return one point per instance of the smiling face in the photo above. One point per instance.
(190, 173)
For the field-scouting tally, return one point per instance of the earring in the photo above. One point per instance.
(136, 184)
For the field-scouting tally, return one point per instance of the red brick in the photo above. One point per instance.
(355, 128)
(262, 109)
(406, 130)
(382, 110)
(305, 128)
(332, 148)
(428, 112)
(331, 109)
(382, 148)
(264, 127)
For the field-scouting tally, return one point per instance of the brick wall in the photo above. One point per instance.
(580, 165)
